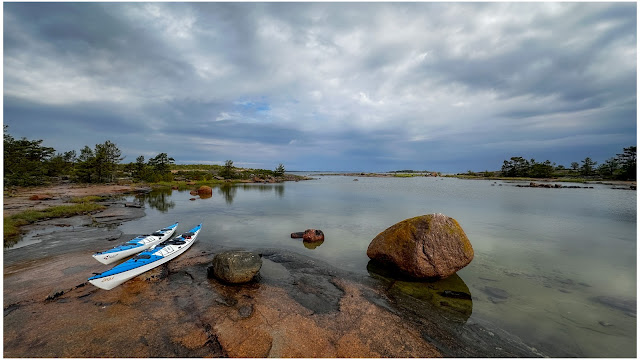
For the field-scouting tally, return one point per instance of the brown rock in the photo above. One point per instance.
(204, 190)
(313, 235)
(427, 246)
(193, 192)
(297, 235)
(41, 197)
(192, 199)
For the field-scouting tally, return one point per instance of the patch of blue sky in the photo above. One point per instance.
(255, 106)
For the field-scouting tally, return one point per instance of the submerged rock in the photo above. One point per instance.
(451, 295)
(236, 266)
(496, 292)
(427, 246)
(628, 306)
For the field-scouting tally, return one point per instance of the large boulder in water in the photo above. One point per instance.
(427, 246)
(236, 266)
(205, 190)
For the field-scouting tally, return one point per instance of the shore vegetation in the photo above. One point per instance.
(621, 167)
(12, 223)
(29, 163)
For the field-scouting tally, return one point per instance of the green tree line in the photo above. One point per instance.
(620, 167)
(28, 162)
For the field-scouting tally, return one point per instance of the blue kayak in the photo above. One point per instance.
(135, 245)
(145, 261)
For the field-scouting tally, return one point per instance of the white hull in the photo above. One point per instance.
(168, 252)
(149, 242)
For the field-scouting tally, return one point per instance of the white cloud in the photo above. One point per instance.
(417, 72)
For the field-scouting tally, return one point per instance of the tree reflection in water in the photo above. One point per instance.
(158, 199)
(228, 191)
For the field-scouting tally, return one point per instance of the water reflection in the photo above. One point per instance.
(279, 189)
(157, 199)
(312, 244)
(451, 295)
(228, 191)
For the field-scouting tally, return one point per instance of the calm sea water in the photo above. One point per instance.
(565, 257)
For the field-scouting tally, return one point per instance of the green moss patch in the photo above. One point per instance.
(87, 199)
(13, 223)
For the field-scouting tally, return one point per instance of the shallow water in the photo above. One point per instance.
(555, 267)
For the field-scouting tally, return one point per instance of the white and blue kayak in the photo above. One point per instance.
(135, 245)
(145, 261)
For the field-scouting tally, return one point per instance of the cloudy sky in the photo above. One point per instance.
(326, 86)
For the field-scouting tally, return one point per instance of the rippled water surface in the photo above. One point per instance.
(555, 267)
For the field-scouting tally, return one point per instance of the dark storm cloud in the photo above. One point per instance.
(368, 86)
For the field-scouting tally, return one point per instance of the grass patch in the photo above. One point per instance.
(87, 199)
(12, 223)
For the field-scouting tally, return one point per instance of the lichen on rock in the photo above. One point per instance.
(427, 246)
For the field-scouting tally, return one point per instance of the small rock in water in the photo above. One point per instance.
(605, 324)
(313, 235)
(297, 235)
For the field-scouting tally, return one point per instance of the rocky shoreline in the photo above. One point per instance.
(298, 307)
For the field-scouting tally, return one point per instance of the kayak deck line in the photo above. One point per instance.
(135, 245)
(145, 261)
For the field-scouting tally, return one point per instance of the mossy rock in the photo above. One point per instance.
(427, 246)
